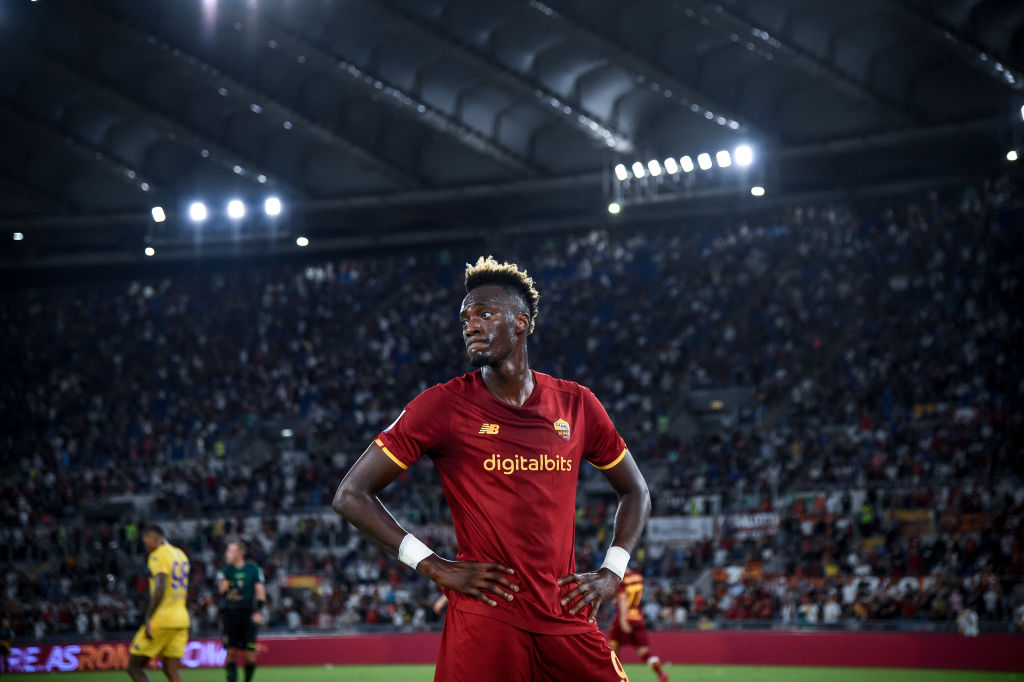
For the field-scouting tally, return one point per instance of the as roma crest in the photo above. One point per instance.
(562, 428)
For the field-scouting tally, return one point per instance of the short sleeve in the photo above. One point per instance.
(420, 428)
(159, 563)
(220, 576)
(259, 575)
(604, 447)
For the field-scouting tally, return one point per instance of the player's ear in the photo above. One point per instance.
(522, 323)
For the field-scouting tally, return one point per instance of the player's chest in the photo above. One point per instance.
(551, 430)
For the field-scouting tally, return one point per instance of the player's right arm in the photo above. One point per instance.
(356, 500)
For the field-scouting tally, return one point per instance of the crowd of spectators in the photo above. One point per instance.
(879, 344)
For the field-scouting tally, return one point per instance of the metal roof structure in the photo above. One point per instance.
(404, 121)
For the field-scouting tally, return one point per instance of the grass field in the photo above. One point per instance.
(637, 673)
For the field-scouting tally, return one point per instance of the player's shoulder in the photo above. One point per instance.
(460, 386)
(550, 383)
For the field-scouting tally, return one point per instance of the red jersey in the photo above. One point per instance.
(509, 474)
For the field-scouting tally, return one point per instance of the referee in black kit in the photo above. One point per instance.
(244, 593)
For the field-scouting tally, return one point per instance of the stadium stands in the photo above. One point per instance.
(884, 430)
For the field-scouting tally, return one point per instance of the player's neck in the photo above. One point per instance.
(239, 563)
(510, 380)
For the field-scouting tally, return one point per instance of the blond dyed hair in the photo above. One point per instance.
(487, 271)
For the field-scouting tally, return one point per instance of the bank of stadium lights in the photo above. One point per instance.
(741, 156)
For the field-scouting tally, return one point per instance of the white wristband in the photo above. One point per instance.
(411, 552)
(616, 560)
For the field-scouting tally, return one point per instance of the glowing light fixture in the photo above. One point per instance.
(197, 211)
(236, 209)
(743, 155)
(704, 161)
(614, 208)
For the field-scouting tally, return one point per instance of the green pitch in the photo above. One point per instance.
(637, 673)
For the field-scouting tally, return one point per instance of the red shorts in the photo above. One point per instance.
(636, 637)
(475, 648)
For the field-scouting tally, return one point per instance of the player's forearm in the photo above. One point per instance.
(631, 517)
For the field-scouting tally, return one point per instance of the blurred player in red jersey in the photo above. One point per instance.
(508, 444)
(628, 627)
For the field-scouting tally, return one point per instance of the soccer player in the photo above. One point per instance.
(245, 592)
(165, 632)
(628, 627)
(6, 638)
(508, 444)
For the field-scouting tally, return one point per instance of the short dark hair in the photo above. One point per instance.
(153, 528)
(488, 271)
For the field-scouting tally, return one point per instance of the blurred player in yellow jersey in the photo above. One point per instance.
(165, 632)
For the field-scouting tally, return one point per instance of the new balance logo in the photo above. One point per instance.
(489, 429)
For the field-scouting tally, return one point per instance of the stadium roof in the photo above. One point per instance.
(401, 121)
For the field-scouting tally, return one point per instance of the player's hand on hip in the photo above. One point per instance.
(257, 617)
(591, 588)
(483, 580)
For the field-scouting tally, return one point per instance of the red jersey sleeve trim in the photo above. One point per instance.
(614, 462)
(389, 454)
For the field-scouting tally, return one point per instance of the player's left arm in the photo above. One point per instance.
(261, 600)
(159, 588)
(599, 586)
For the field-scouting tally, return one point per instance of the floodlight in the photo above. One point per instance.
(654, 167)
(18, 236)
(671, 167)
(614, 208)
(686, 163)
(757, 191)
(301, 241)
(1011, 155)
(272, 206)
(704, 161)
(621, 173)
(744, 155)
(723, 158)
(197, 211)
(236, 209)
(638, 170)
(150, 251)
(158, 214)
